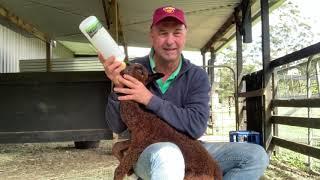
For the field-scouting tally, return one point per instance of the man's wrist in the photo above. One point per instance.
(148, 99)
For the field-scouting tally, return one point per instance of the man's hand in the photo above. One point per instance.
(112, 69)
(134, 90)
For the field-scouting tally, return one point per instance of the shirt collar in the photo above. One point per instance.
(153, 65)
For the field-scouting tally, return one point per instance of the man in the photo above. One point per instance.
(181, 99)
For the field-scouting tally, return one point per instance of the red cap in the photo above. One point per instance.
(168, 11)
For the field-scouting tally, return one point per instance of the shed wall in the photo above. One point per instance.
(15, 46)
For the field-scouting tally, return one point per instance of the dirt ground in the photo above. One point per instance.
(44, 161)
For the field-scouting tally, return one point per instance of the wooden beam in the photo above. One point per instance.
(255, 93)
(246, 24)
(219, 34)
(312, 102)
(297, 55)
(297, 121)
(283, 69)
(22, 24)
(297, 147)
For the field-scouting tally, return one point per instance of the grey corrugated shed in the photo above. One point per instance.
(14, 46)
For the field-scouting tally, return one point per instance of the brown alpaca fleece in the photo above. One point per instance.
(146, 128)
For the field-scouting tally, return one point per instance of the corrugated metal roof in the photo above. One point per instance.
(60, 18)
(203, 17)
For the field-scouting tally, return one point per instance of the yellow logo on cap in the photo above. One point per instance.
(169, 9)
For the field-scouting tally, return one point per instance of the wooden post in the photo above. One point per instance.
(275, 89)
(123, 39)
(309, 94)
(203, 60)
(254, 101)
(114, 33)
(318, 75)
(114, 23)
(106, 12)
(246, 24)
(211, 70)
(267, 136)
(116, 29)
(48, 56)
(211, 62)
(239, 64)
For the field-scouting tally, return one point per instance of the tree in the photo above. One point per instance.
(289, 32)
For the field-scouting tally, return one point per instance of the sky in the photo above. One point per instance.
(308, 8)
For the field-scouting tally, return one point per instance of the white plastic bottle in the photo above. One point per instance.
(101, 39)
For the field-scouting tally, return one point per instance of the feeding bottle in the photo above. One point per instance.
(101, 39)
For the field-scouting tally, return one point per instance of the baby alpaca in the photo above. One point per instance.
(146, 128)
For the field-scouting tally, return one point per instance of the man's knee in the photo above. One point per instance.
(163, 160)
(263, 156)
(258, 155)
(165, 155)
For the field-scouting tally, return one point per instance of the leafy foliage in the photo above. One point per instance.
(289, 32)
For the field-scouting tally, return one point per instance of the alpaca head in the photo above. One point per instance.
(141, 73)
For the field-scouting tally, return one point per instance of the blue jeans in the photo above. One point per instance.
(237, 161)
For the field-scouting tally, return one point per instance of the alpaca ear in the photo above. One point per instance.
(154, 77)
(128, 63)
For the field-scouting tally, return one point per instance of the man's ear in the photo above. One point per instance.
(154, 77)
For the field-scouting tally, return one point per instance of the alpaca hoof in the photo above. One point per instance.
(118, 175)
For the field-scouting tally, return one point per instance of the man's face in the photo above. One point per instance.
(168, 38)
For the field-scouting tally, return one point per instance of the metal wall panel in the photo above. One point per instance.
(62, 65)
(15, 46)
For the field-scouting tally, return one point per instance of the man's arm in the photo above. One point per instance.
(192, 118)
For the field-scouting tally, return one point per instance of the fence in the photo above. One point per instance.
(222, 115)
(262, 100)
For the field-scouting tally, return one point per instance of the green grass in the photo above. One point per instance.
(291, 158)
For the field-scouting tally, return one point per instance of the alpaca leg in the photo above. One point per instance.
(189, 176)
(126, 163)
(119, 148)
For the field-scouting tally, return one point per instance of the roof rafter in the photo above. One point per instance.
(22, 24)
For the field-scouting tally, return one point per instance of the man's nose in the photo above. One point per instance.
(170, 39)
